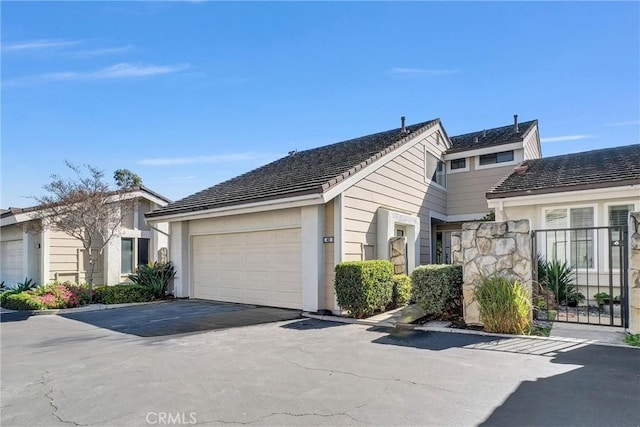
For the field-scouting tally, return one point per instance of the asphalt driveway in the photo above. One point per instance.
(168, 318)
(61, 371)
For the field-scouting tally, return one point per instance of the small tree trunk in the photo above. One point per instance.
(90, 273)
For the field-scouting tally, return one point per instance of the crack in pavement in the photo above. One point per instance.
(290, 414)
(55, 409)
(394, 379)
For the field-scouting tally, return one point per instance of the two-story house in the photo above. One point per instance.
(48, 255)
(273, 236)
(475, 163)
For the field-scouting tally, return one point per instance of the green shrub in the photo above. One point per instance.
(362, 287)
(504, 305)
(120, 294)
(155, 277)
(401, 292)
(438, 290)
(4, 295)
(27, 285)
(632, 339)
(22, 301)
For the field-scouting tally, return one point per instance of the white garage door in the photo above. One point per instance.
(11, 262)
(258, 267)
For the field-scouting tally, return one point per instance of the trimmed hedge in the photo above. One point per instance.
(402, 289)
(120, 294)
(362, 287)
(22, 301)
(438, 290)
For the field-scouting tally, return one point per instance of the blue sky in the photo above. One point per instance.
(188, 94)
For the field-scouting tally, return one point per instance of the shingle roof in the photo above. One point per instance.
(305, 172)
(490, 137)
(609, 167)
(13, 211)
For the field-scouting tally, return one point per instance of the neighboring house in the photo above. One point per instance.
(575, 192)
(274, 235)
(53, 255)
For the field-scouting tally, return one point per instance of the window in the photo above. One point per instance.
(502, 157)
(441, 174)
(129, 247)
(126, 256)
(436, 170)
(618, 217)
(573, 241)
(143, 251)
(458, 164)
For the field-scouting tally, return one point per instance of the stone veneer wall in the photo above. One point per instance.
(634, 272)
(485, 248)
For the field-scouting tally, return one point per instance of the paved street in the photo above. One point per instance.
(80, 370)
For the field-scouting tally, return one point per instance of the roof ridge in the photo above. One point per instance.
(492, 129)
(334, 181)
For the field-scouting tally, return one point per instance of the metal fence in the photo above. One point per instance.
(581, 275)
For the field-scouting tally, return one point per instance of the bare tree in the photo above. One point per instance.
(85, 207)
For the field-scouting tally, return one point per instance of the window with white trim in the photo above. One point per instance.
(618, 217)
(133, 252)
(501, 157)
(458, 163)
(436, 170)
(573, 241)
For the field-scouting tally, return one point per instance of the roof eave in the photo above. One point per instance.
(564, 188)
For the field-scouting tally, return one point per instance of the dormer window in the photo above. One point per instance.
(502, 157)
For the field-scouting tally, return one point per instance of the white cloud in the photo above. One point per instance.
(118, 71)
(30, 45)
(627, 123)
(222, 158)
(424, 71)
(102, 51)
(565, 138)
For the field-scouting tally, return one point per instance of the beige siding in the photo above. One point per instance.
(69, 261)
(399, 185)
(466, 190)
(144, 206)
(329, 250)
(127, 221)
(532, 145)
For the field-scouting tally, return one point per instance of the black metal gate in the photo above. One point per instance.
(581, 275)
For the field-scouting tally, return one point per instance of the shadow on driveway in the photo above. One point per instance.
(604, 377)
(181, 317)
(311, 324)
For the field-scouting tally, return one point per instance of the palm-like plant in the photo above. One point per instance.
(559, 279)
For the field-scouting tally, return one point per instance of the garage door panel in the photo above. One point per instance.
(11, 262)
(262, 268)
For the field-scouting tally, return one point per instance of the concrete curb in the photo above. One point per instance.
(410, 326)
(83, 309)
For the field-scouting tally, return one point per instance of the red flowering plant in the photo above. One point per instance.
(62, 295)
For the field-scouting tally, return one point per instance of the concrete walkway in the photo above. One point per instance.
(568, 332)
(595, 333)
